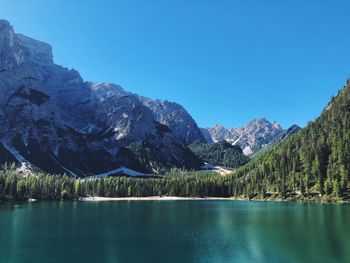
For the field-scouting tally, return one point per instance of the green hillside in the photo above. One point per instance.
(314, 162)
(220, 153)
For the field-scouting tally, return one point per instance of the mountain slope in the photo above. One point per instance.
(182, 126)
(176, 118)
(51, 118)
(314, 161)
(284, 135)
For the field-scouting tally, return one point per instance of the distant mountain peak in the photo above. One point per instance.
(251, 137)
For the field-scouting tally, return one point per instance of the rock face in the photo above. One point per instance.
(183, 128)
(173, 115)
(52, 119)
(251, 137)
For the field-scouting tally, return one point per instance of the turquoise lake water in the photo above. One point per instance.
(174, 231)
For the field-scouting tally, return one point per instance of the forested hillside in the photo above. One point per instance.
(315, 161)
(220, 153)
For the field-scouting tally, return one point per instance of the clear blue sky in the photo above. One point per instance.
(226, 61)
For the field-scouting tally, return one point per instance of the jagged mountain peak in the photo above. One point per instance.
(263, 121)
(251, 137)
(105, 90)
(219, 126)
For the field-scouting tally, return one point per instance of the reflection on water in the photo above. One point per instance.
(174, 231)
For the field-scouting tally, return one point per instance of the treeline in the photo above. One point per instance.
(315, 161)
(220, 153)
(14, 186)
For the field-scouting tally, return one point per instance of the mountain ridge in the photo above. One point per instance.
(251, 137)
(171, 114)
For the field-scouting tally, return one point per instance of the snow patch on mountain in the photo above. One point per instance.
(119, 171)
(221, 170)
(25, 168)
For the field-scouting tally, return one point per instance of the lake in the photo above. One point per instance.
(174, 231)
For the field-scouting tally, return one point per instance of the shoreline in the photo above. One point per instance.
(177, 198)
(148, 198)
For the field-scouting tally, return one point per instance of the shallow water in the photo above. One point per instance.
(174, 231)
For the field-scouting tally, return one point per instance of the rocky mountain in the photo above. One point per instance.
(183, 127)
(50, 118)
(175, 116)
(251, 137)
